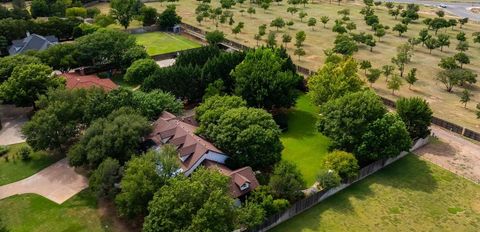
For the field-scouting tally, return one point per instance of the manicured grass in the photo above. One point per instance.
(160, 43)
(30, 212)
(303, 144)
(16, 169)
(410, 195)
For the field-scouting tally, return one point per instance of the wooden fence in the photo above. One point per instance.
(310, 201)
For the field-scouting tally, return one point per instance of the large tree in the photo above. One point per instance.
(124, 11)
(168, 18)
(7, 64)
(385, 137)
(249, 136)
(27, 82)
(211, 110)
(262, 80)
(117, 136)
(108, 47)
(192, 204)
(345, 45)
(416, 114)
(103, 179)
(334, 80)
(143, 176)
(287, 181)
(153, 103)
(345, 119)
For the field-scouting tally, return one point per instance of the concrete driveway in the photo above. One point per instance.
(58, 182)
(13, 119)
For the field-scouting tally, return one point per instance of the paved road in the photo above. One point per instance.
(459, 9)
(58, 182)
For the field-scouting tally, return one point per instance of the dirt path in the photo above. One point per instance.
(58, 182)
(454, 153)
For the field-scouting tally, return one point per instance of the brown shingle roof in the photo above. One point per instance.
(192, 149)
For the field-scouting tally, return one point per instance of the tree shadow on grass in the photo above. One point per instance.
(409, 173)
(301, 124)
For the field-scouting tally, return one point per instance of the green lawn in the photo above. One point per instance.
(16, 169)
(30, 212)
(409, 195)
(160, 43)
(303, 144)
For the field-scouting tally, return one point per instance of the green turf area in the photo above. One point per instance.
(31, 212)
(160, 43)
(16, 169)
(303, 144)
(409, 195)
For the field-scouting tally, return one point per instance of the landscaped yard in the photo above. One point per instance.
(16, 169)
(160, 42)
(410, 195)
(303, 144)
(30, 212)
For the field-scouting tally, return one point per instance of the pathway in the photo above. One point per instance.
(454, 153)
(58, 182)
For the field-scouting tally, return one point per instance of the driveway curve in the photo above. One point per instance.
(58, 182)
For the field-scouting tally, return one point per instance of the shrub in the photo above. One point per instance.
(343, 163)
(4, 150)
(328, 179)
(287, 181)
(139, 70)
(24, 153)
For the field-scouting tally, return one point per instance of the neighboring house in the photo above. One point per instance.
(194, 151)
(32, 42)
(75, 80)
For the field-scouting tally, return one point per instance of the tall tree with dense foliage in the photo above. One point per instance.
(385, 137)
(117, 136)
(263, 82)
(59, 57)
(287, 181)
(124, 10)
(345, 119)
(220, 68)
(249, 135)
(7, 64)
(153, 103)
(211, 110)
(27, 82)
(416, 114)
(143, 176)
(192, 204)
(345, 45)
(108, 47)
(214, 37)
(168, 18)
(334, 80)
(103, 179)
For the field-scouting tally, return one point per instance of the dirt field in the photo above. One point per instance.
(453, 153)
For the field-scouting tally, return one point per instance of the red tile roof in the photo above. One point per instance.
(75, 80)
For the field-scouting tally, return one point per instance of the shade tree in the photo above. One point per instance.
(415, 112)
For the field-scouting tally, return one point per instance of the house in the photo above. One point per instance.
(75, 80)
(194, 151)
(32, 42)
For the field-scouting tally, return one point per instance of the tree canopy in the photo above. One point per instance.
(335, 79)
(263, 82)
(416, 114)
(346, 119)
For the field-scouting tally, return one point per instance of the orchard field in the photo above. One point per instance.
(445, 105)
